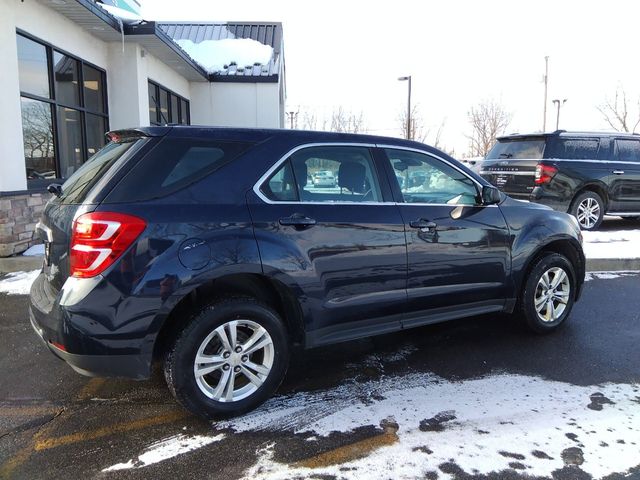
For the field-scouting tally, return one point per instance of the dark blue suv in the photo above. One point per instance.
(211, 250)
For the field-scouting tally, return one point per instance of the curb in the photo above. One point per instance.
(21, 263)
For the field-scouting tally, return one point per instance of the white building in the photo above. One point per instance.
(74, 69)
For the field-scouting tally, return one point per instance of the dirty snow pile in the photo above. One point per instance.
(613, 244)
(479, 426)
(213, 55)
(18, 283)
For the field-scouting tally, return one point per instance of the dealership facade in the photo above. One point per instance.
(75, 69)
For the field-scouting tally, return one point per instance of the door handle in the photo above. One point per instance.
(618, 172)
(297, 220)
(423, 224)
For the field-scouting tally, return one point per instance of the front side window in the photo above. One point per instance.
(628, 150)
(64, 115)
(327, 175)
(425, 179)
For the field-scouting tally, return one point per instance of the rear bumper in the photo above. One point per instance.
(550, 199)
(71, 334)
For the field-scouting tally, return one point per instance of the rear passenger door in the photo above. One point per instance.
(625, 176)
(341, 242)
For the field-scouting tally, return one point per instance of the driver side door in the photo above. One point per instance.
(457, 248)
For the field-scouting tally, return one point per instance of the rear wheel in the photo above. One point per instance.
(548, 294)
(588, 208)
(228, 359)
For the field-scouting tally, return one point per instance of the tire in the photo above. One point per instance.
(547, 317)
(589, 209)
(224, 388)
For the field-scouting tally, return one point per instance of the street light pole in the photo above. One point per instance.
(408, 78)
(546, 83)
(557, 103)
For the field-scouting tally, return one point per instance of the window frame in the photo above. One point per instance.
(380, 175)
(38, 184)
(179, 114)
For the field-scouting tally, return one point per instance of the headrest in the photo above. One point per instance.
(351, 175)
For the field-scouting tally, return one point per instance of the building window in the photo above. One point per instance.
(64, 110)
(166, 106)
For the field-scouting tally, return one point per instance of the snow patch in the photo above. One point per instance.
(34, 251)
(127, 17)
(18, 283)
(166, 449)
(613, 244)
(610, 275)
(213, 55)
(483, 424)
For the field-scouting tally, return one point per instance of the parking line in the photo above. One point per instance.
(48, 443)
(349, 452)
(90, 389)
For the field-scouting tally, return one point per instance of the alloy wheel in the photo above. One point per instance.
(588, 212)
(552, 294)
(233, 361)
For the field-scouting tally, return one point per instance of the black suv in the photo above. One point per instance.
(586, 174)
(212, 251)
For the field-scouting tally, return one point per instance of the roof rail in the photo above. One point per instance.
(558, 132)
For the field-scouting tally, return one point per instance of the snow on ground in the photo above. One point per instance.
(483, 425)
(34, 251)
(610, 275)
(213, 55)
(612, 244)
(166, 449)
(18, 283)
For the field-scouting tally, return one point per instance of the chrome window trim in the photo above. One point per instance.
(505, 172)
(285, 157)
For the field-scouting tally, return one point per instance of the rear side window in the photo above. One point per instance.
(172, 165)
(628, 150)
(78, 185)
(517, 149)
(574, 148)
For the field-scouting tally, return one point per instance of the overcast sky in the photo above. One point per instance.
(459, 53)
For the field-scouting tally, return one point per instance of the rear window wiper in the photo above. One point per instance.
(506, 155)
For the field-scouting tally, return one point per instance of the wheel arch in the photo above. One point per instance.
(268, 290)
(599, 188)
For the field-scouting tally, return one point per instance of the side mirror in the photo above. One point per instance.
(490, 195)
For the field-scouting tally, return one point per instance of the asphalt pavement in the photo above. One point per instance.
(476, 398)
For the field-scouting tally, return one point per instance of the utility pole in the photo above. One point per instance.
(293, 116)
(557, 103)
(408, 106)
(546, 84)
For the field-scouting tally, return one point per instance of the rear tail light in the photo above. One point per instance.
(99, 238)
(544, 173)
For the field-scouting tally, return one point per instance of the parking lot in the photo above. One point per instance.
(478, 398)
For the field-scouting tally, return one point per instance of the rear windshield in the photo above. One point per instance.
(524, 149)
(78, 185)
(172, 165)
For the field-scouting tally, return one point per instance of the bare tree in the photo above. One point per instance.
(488, 120)
(419, 131)
(347, 122)
(617, 114)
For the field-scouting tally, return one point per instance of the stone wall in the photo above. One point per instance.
(18, 217)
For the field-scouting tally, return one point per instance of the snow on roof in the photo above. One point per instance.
(216, 55)
(127, 17)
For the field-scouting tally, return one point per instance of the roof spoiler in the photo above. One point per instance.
(132, 133)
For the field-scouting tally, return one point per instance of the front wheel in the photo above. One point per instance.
(588, 208)
(548, 294)
(228, 359)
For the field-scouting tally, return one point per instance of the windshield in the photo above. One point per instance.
(522, 149)
(77, 186)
